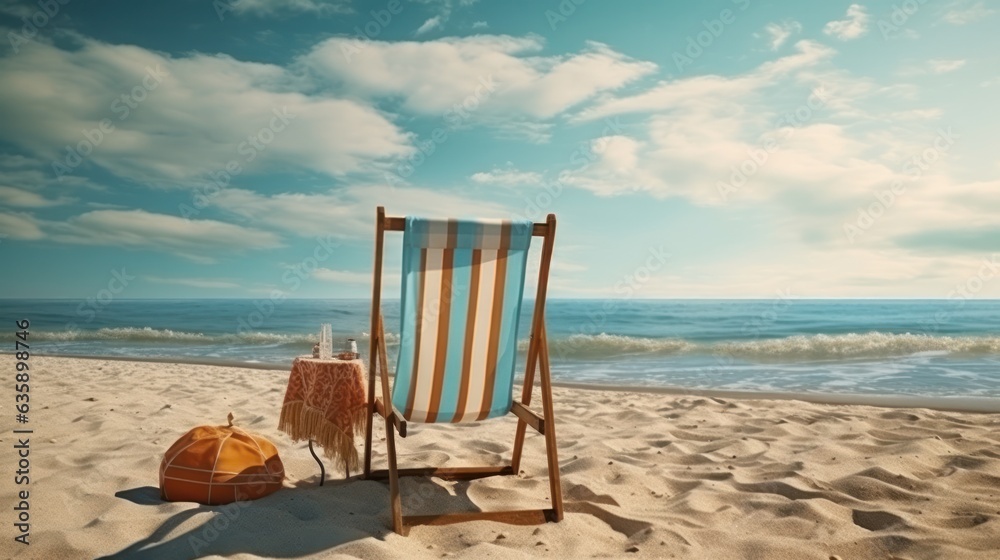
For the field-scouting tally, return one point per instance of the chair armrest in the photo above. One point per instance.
(528, 416)
(395, 416)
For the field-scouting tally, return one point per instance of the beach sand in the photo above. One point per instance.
(644, 476)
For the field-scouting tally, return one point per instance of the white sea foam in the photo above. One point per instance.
(148, 334)
(582, 346)
(609, 345)
(853, 345)
(390, 337)
(794, 348)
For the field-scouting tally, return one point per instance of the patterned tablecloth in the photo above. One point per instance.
(325, 402)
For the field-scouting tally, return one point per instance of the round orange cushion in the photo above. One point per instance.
(220, 464)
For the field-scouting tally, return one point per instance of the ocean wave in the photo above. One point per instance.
(599, 346)
(390, 337)
(151, 335)
(793, 348)
(855, 345)
(611, 345)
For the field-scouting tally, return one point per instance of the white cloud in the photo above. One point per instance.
(964, 14)
(342, 276)
(391, 277)
(480, 25)
(853, 27)
(926, 115)
(206, 112)
(17, 8)
(270, 7)
(21, 173)
(831, 144)
(106, 206)
(195, 282)
(934, 66)
(26, 199)
(14, 161)
(703, 92)
(802, 272)
(942, 66)
(347, 212)
(508, 177)
(198, 240)
(832, 158)
(430, 25)
(197, 114)
(489, 74)
(518, 128)
(616, 168)
(444, 9)
(778, 33)
(20, 226)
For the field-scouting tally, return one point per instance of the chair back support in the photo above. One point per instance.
(462, 284)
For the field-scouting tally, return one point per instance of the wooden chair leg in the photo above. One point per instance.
(370, 419)
(374, 338)
(555, 487)
(394, 501)
(390, 436)
(529, 383)
(537, 345)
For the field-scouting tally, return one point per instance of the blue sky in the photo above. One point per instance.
(727, 148)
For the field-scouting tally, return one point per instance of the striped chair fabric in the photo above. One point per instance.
(461, 299)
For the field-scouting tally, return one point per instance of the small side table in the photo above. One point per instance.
(325, 402)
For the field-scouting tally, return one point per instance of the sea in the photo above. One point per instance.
(924, 348)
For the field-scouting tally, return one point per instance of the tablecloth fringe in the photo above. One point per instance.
(303, 422)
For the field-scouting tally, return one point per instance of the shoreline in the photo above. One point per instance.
(977, 405)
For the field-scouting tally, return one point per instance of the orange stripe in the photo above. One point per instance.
(444, 318)
(495, 321)
(420, 319)
(470, 334)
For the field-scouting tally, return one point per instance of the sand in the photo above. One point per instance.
(644, 476)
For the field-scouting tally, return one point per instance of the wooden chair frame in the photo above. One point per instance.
(538, 354)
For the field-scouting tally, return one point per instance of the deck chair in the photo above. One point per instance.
(461, 296)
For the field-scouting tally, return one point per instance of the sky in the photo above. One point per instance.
(716, 149)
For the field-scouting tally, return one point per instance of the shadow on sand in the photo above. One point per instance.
(290, 523)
